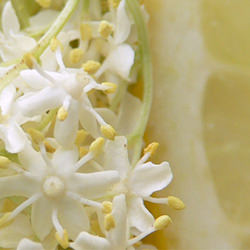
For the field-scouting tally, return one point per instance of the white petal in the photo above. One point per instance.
(34, 79)
(65, 160)
(93, 185)
(119, 234)
(7, 97)
(116, 156)
(73, 217)
(65, 131)
(23, 43)
(18, 185)
(38, 102)
(91, 242)
(87, 119)
(42, 19)
(26, 244)
(11, 235)
(119, 61)
(108, 116)
(41, 217)
(139, 216)
(131, 107)
(10, 21)
(32, 160)
(13, 137)
(148, 178)
(123, 24)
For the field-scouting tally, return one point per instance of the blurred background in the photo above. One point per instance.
(201, 117)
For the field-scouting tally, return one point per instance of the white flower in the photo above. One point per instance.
(56, 190)
(67, 90)
(137, 183)
(117, 238)
(13, 42)
(120, 56)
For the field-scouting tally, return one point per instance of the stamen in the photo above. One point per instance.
(97, 145)
(61, 234)
(55, 44)
(44, 155)
(175, 203)
(86, 31)
(84, 201)
(162, 222)
(139, 237)
(108, 131)
(89, 156)
(49, 148)
(81, 136)
(151, 148)
(4, 162)
(29, 60)
(62, 114)
(76, 55)
(156, 200)
(59, 60)
(36, 135)
(107, 207)
(111, 87)
(109, 222)
(44, 3)
(24, 205)
(91, 66)
(105, 29)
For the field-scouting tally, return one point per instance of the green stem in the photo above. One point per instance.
(42, 44)
(136, 138)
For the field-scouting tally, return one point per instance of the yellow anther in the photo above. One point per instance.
(162, 222)
(76, 55)
(49, 148)
(105, 29)
(5, 220)
(62, 114)
(36, 135)
(44, 3)
(107, 207)
(83, 151)
(4, 162)
(28, 59)
(109, 222)
(81, 136)
(138, 244)
(151, 148)
(54, 44)
(175, 203)
(96, 145)
(111, 87)
(91, 66)
(64, 240)
(86, 31)
(108, 131)
(114, 3)
(8, 206)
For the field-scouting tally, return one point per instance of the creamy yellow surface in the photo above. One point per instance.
(201, 117)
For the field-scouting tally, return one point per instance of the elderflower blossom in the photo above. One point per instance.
(71, 171)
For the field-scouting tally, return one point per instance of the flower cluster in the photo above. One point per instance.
(69, 174)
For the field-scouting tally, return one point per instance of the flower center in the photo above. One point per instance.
(53, 187)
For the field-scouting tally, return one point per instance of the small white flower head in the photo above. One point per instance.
(56, 190)
(13, 42)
